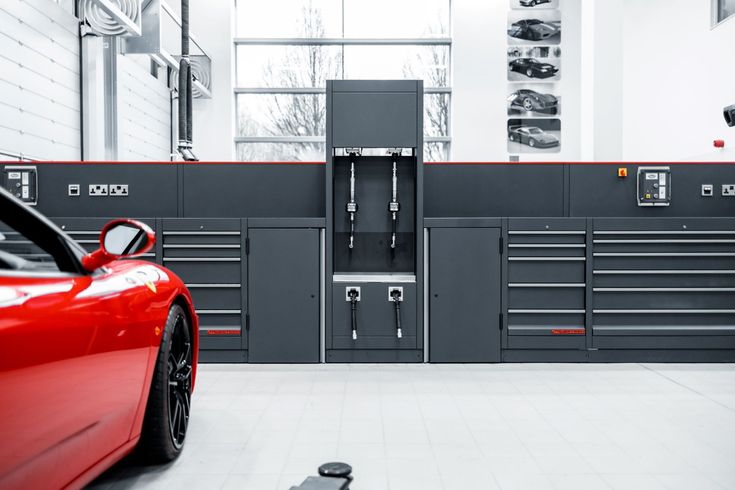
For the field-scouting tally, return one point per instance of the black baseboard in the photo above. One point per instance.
(621, 355)
(365, 355)
(211, 356)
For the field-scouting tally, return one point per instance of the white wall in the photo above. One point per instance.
(39, 81)
(605, 75)
(678, 74)
(212, 22)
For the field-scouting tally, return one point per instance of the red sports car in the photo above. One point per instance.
(97, 355)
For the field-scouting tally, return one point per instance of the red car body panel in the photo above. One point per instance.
(76, 361)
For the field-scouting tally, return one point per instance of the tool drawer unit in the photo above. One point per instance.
(207, 255)
(665, 284)
(546, 267)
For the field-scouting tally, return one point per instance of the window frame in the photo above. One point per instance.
(339, 42)
(716, 21)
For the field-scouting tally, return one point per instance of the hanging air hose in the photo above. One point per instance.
(352, 204)
(185, 90)
(394, 206)
(353, 295)
(395, 295)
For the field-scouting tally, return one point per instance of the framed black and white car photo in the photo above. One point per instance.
(542, 27)
(534, 135)
(534, 63)
(534, 4)
(533, 99)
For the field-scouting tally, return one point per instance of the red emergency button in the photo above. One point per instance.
(719, 143)
(622, 172)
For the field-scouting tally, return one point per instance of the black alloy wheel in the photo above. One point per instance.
(169, 402)
(179, 382)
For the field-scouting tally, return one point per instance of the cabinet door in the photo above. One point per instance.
(283, 271)
(464, 303)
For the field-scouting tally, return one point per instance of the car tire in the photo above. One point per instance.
(529, 73)
(531, 143)
(169, 402)
(527, 104)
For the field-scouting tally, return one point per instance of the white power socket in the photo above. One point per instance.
(97, 190)
(728, 190)
(119, 190)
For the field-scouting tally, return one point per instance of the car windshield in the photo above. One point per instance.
(19, 253)
(533, 60)
(534, 131)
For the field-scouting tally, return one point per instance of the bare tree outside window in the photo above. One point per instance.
(299, 116)
(434, 69)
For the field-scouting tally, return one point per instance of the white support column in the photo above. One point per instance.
(93, 98)
(587, 85)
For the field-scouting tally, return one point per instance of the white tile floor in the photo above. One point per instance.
(508, 426)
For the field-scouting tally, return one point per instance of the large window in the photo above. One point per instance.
(286, 50)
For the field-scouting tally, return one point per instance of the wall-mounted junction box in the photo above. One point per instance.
(22, 182)
(654, 186)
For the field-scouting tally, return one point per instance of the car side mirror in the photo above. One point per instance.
(120, 239)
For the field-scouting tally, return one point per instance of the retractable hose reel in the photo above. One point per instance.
(352, 204)
(394, 206)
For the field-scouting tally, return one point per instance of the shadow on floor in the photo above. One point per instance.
(128, 473)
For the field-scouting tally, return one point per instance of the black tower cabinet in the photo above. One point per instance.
(374, 236)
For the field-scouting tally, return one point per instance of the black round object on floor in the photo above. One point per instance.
(335, 470)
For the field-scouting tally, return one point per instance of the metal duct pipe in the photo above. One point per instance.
(185, 96)
(183, 99)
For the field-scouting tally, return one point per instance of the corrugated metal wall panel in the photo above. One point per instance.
(39, 80)
(144, 113)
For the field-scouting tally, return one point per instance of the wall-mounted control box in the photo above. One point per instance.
(654, 186)
(22, 182)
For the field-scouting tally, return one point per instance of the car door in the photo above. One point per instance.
(68, 369)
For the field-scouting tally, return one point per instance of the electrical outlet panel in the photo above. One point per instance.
(391, 289)
(654, 186)
(22, 182)
(119, 190)
(728, 190)
(347, 293)
(98, 190)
